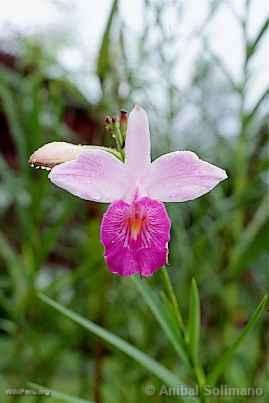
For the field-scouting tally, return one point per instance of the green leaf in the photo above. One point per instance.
(5, 171)
(103, 61)
(147, 362)
(172, 297)
(259, 246)
(249, 238)
(59, 395)
(224, 360)
(193, 332)
(165, 316)
(51, 234)
(14, 267)
(253, 112)
(253, 45)
(10, 109)
(194, 322)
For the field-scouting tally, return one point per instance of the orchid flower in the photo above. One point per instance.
(135, 230)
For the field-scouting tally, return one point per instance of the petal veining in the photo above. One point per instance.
(135, 236)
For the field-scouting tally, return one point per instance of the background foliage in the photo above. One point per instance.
(49, 240)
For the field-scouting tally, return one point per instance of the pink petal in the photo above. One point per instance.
(95, 175)
(135, 237)
(180, 176)
(137, 145)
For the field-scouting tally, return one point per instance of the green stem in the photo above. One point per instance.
(119, 138)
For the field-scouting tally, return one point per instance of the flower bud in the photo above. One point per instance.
(123, 122)
(54, 153)
(123, 116)
(108, 120)
(114, 120)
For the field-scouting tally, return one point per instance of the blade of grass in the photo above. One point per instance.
(249, 236)
(10, 109)
(59, 395)
(220, 366)
(147, 362)
(173, 333)
(253, 45)
(194, 321)
(253, 112)
(12, 260)
(103, 61)
(194, 330)
(171, 295)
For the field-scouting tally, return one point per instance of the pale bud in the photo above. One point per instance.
(55, 153)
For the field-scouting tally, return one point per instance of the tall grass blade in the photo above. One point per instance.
(147, 362)
(161, 315)
(59, 395)
(224, 360)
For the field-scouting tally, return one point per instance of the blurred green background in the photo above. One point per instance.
(49, 240)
